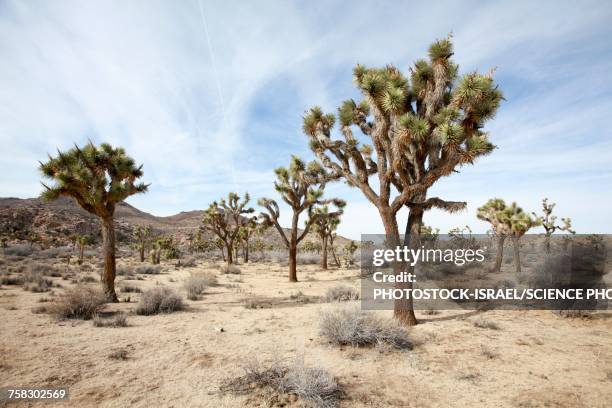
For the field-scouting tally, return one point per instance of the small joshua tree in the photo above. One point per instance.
(349, 253)
(301, 187)
(97, 177)
(248, 229)
(507, 221)
(142, 235)
(548, 221)
(421, 130)
(324, 224)
(429, 235)
(493, 213)
(82, 241)
(224, 219)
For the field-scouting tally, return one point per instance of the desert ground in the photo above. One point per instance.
(515, 359)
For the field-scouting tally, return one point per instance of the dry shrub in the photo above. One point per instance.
(81, 302)
(34, 281)
(197, 283)
(341, 293)
(119, 320)
(148, 269)
(352, 326)
(313, 386)
(119, 354)
(130, 289)
(18, 250)
(483, 323)
(124, 271)
(159, 300)
(7, 279)
(230, 270)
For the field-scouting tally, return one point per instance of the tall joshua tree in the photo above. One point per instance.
(224, 219)
(324, 224)
(520, 222)
(301, 187)
(421, 130)
(548, 222)
(493, 212)
(97, 177)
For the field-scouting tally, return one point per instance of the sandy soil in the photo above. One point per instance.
(174, 360)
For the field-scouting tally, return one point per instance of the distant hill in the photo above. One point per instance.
(58, 220)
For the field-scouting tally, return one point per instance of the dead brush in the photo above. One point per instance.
(230, 270)
(313, 386)
(81, 302)
(119, 320)
(341, 293)
(159, 300)
(483, 323)
(354, 327)
(197, 283)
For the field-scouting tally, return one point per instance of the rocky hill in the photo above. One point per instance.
(56, 221)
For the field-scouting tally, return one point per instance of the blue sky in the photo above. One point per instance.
(209, 95)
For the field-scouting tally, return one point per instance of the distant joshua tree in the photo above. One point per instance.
(248, 229)
(97, 177)
(429, 235)
(301, 187)
(324, 224)
(493, 213)
(82, 241)
(506, 221)
(548, 221)
(421, 130)
(224, 219)
(349, 253)
(142, 235)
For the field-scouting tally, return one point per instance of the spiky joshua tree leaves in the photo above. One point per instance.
(420, 128)
(97, 177)
(549, 222)
(507, 220)
(301, 187)
(225, 218)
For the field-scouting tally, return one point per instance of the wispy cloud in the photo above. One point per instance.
(209, 95)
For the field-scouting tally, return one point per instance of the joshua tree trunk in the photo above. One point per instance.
(402, 308)
(547, 243)
(500, 253)
(245, 253)
(81, 250)
(142, 252)
(230, 253)
(333, 251)
(324, 253)
(108, 249)
(517, 254)
(293, 250)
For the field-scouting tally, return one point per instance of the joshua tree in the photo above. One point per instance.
(97, 177)
(324, 224)
(429, 235)
(349, 253)
(301, 187)
(547, 220)
(142, 235)
(224, 219)
(248, 228)
(507, 221)
(493, 212)
(82, 241)
(421, 129)
(520, 223)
